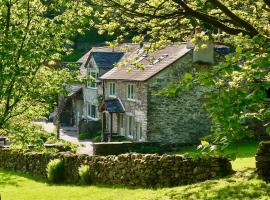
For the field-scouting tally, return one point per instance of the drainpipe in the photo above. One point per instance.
(103, 121)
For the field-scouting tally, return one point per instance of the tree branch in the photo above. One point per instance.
(210, 19)
(235, 18)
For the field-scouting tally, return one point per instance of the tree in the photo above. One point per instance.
(34, 35)
(236, 90)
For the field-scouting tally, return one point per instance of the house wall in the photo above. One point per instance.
(91, 96)
(179, 120)
(136, 108)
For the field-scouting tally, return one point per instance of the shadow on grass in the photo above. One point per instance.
(7, 178)
(14, 178)
(242, 185)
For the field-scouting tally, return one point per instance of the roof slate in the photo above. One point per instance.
(107, 60)
(152, 66)
(114, 106)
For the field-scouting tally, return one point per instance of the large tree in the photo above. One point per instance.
(34, 35)
(236, 90)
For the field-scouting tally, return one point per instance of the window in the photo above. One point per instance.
(93, 74)
(139, 131)
(130, 92)
(92, 111)
(112, 89)
(130, 120)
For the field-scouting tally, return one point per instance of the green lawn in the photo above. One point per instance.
(244, 152)
(242, 185)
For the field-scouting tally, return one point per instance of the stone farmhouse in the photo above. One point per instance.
(127, 101)
(133, 108)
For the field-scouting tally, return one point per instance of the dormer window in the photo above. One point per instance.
(130, 92)
(93, 73)
(112, 89)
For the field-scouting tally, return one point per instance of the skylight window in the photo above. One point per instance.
(141, 58)
(160, 59)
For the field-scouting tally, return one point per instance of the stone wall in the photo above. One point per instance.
(180, 119)
(126, 169)
(263, 161)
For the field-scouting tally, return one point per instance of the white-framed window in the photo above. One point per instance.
(93, 73)
(130, 125)
(92, 111)
(139, 131)
(112, 89)
(130, 92)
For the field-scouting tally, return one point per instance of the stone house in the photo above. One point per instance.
(132, 106)
(94, 64)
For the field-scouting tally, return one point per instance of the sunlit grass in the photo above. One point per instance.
(241, 185)
(244, 153)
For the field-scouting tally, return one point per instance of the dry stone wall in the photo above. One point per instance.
(125, 169)
(263, 161)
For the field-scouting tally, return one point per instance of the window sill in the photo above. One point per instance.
(112, 96)
(88, 87)
(93, 119)
(133, 100)
(129, 136)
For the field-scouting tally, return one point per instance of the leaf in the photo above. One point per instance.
(238, 50)
(204, 143)
(188, 76)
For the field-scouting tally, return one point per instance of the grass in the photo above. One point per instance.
(244, 153)
(242, 185)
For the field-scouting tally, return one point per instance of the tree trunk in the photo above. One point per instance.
(59, 109)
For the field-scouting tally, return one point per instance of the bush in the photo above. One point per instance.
(119, 138)
(98, 138)
(55, 171)
(146, 149)
(85, 174)
(85, 136)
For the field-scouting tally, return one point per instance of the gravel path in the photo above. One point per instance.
(70, 134)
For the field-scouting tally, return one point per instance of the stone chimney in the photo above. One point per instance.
(203, 52)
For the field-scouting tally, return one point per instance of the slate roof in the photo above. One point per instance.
(83, 59)
(223, 49)
(73, 89)
(103, 50)
(107, 60)
(114, 106)
(153, 63)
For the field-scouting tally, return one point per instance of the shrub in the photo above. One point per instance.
(97, 138)
(119, 138)
(85, 174)
(146, 149)
(55, 171)
(84, 136)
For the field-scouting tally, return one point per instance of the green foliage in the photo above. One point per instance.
(34, 37)
(119, 138)
(55, 171)
(85, 174)
(146, 149)
(234, 89)
(97, 138)
(84, 136)
(87, 136)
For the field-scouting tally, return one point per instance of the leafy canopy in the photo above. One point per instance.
(235, 89)
(34, 36)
